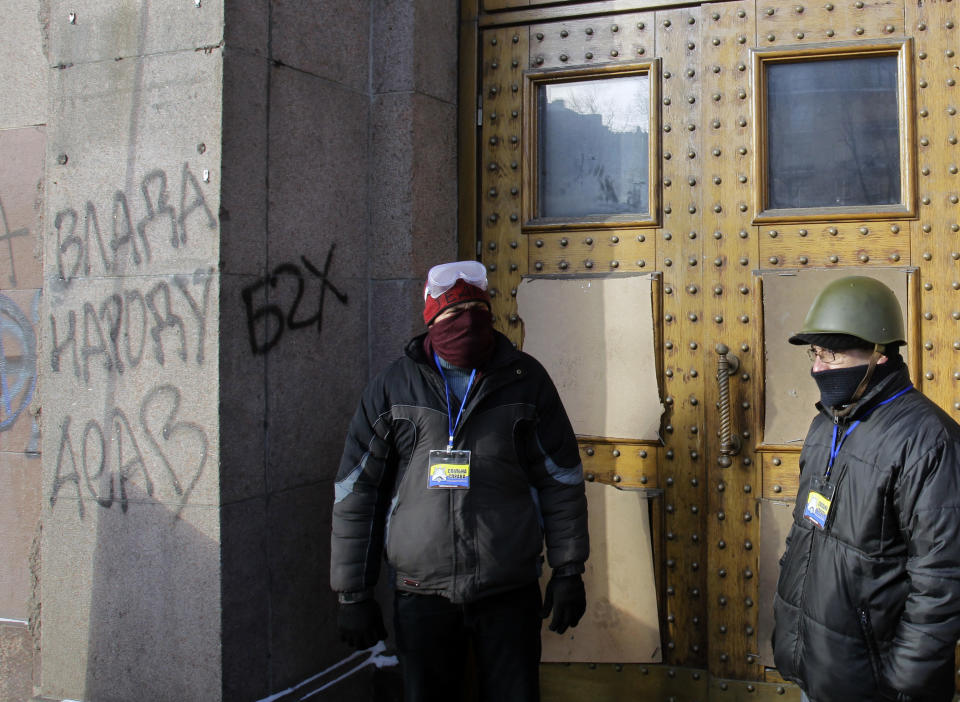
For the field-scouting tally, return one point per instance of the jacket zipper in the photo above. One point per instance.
(803, 591)
(803, 599)
(474, 392)
(867, 629)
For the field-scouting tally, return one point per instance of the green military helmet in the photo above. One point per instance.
(856, 306)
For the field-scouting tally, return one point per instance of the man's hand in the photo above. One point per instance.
(567, 598)
(360, 623)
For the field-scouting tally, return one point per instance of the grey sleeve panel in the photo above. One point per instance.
(344, 487)
(377, 447)
(361, 493)
(568, 476)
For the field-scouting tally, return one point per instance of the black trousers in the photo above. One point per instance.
(435, 638)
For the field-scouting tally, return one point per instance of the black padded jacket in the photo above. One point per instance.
(526, 483)
(868, 607)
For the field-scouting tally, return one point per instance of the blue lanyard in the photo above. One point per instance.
(835, 446)
(451, 425)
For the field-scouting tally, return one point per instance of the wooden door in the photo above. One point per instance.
(721, 236)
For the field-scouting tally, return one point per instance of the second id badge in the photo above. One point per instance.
(449, 469)
(819, 500)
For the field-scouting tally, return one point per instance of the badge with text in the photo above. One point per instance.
(449, 469)
(818, 501)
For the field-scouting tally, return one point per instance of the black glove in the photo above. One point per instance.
(360, 623)
(567, 598)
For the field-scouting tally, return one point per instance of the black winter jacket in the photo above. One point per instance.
(526, 482)
(868, 608)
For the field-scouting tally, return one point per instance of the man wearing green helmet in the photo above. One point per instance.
(868, 600)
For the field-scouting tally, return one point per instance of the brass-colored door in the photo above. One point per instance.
(720, 229)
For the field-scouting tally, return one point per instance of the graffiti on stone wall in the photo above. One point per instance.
(85, 246)
(159, 322)
(139, 330)
(18, 367)
(131, 351)
(267, 324)
(85, 455)
(18, 347)
(8, 236)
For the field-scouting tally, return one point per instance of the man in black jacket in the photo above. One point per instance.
(868, 600)
(459, 463)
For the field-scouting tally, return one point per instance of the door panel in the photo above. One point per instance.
(679, 257)
(786, 392)
(730, 254)
(934, 245)
(504, 246)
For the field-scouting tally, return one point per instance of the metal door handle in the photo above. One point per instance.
(727, 365)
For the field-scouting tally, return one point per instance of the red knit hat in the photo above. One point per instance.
(462, 291)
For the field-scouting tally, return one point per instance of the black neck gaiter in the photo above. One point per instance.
(838, 385)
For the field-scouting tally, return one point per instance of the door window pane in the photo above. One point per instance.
(832, 133)
(594, 138)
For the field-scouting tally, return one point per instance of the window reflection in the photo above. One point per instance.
(594, 148)
(833, 138)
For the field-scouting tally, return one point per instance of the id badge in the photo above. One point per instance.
(449, 469)
(819, 500)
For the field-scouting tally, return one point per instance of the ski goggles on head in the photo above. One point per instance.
(444, 276)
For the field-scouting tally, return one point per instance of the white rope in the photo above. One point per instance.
(374, 659)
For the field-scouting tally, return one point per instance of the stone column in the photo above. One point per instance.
(129, 360)
(242, 200)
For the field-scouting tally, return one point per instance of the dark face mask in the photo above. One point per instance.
(837, 385)
(466, 339)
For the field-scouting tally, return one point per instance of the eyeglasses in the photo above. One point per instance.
(826, 356)
(443, 277)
